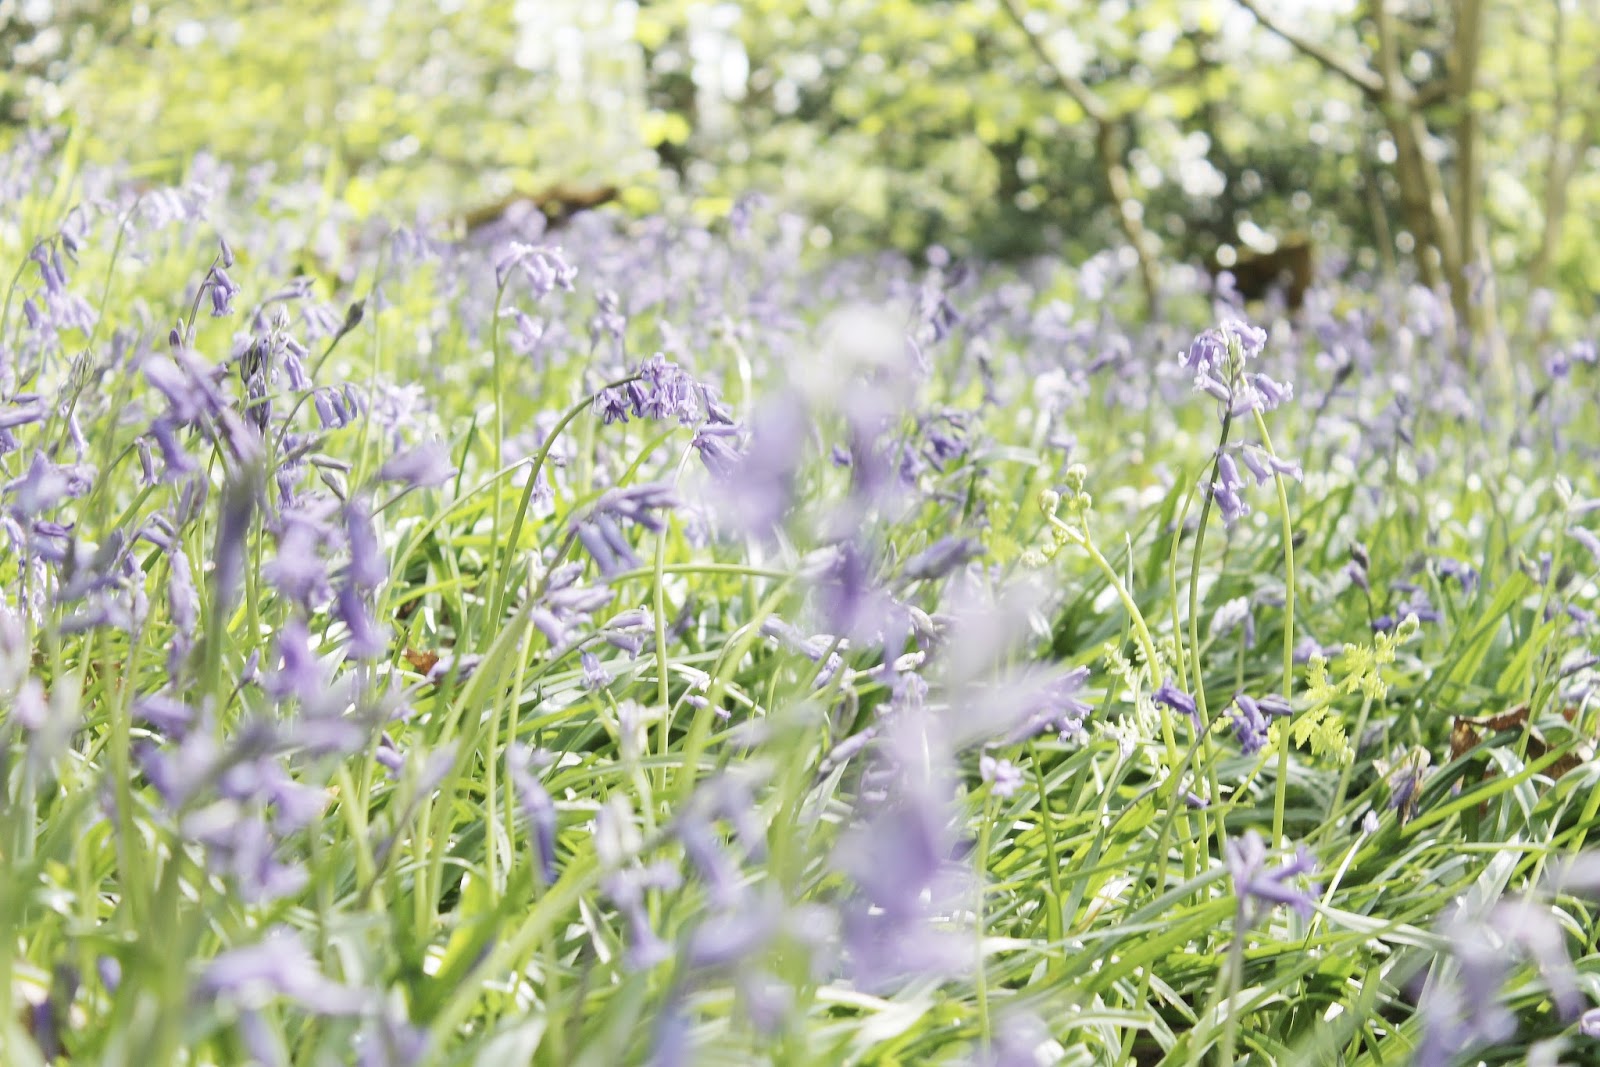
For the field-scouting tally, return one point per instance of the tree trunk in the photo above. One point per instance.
(1130, 212)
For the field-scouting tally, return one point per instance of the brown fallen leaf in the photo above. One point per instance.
(421, 662)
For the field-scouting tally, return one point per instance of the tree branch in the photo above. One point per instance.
(1113, 169)
(1076, 88)
(1359, 75)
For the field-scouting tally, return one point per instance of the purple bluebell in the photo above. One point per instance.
(527, 333)
(728, 938)
(1046, 700)
(368, 568)
(46, 486)
(600, 530)
(628, 630)
(1251, 720)
(165, 712)
(1259, 888)
(1172, 698)
(595, 676)
(21, 414)
(298, 570)
(565, 604)
(451, 665)
(1264, 466)
(710, 859)
(663, 390)
(1003, 776)
(222, 291)
(1310, 646)
(422, 467)
(1589, 542)
(545, 268)
(940, 558)
(386, 1041)
(278, 966)
(368, 639)
(717, 445)
(1417, 604)
(239, 498)
(1270, 394)
(1226, 490)
(537, 807)
(1404, 782)
(1208, 350)
(1235, 614)
(898, 861)
(758, 493)
(611, 405)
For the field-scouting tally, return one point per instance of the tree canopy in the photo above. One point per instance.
(1450, 138)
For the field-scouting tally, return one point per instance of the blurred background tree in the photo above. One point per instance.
(1450, 139)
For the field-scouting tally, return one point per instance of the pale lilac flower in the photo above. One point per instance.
(1003, 776)
(1234, 615)
(368, 568)
(940, 558)
(716, 443)
(278, 966)
(239, 499)
(1264, 465)
(595, 676)
(222, 291)
(1172, 698)
(1251, 719)
(422, 467)
(1225, 490)
(368, 639)
(545, 268)
(537, 807)
(1259, 888)
(1587, 539)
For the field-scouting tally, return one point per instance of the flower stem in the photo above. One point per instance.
(1281, 795)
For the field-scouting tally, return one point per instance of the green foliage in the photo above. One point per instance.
(911, 122)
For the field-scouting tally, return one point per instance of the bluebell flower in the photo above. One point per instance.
(1003, 776)
(368, 639)
(941, 558)
(537, 807)
(545, 268)
(629, 630)
(1233, 615)
(1589, 542)
(368, 568)
(1259, 888)
(278, 966)
(1225, 490)
(726, 939)
(1172, 698)
(1044, 700)
(21, 414)
(595, 676)
(222, 291)
(716, 444)
(527, 333)
(1251, 719)
(239, 498)
(1263, 465)
(422, 467)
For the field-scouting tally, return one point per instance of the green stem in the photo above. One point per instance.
(985, 829)
(502, 583)
(1207, 746)
(1235, 979)
(1281, 794)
